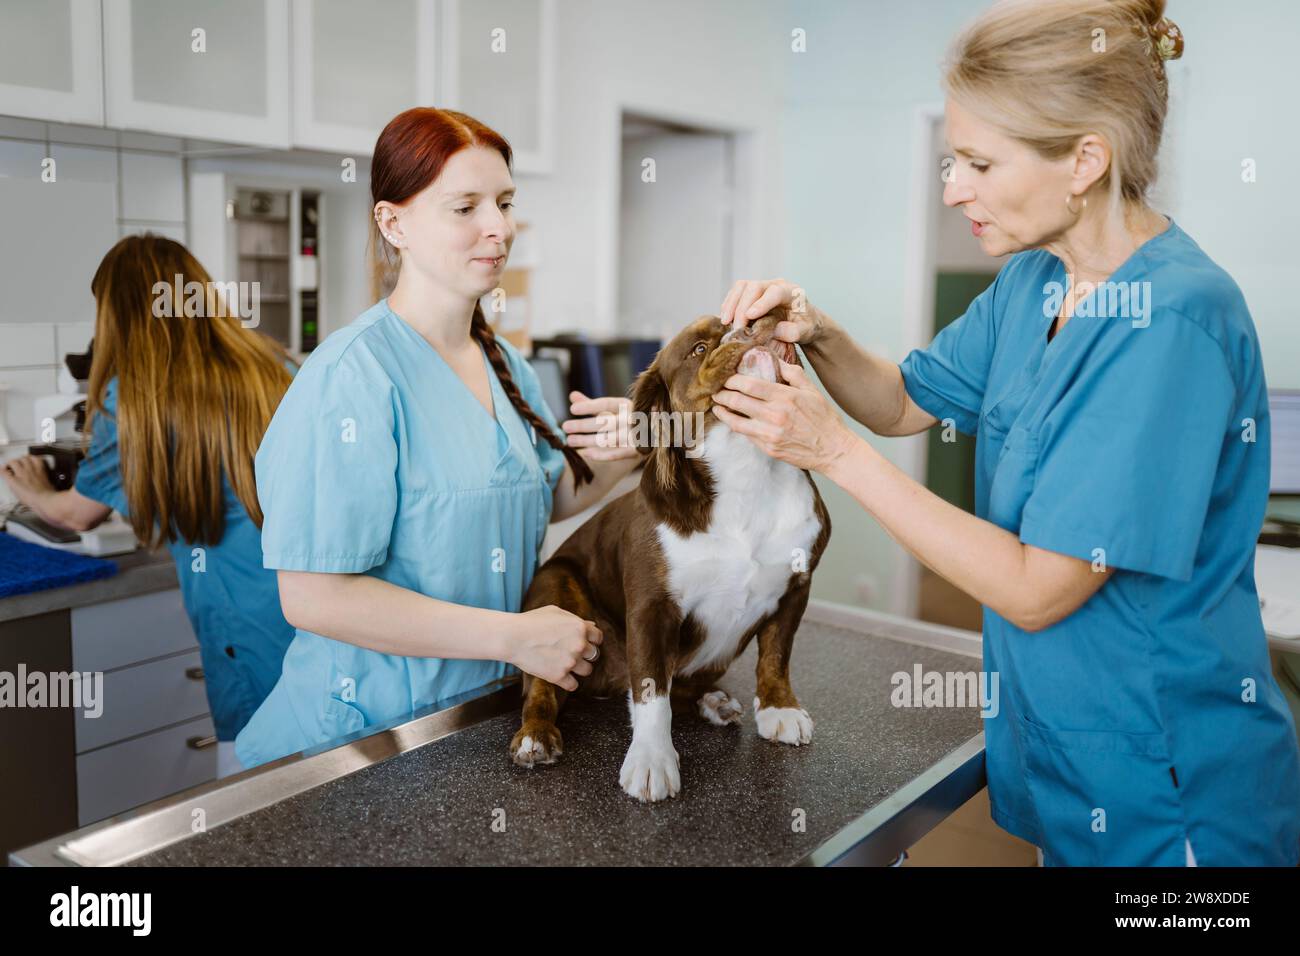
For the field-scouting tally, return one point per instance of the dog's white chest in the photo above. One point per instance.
(734, 573)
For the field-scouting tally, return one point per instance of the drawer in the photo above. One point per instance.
(117, 778)
(125, 632)
(144, 697)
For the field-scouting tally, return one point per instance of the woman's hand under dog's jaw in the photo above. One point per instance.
(794, 423)
(555, 645)
(751, 299)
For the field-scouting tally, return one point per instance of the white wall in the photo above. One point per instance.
(1241, 78)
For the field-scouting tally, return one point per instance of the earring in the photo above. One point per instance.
(1073, 211)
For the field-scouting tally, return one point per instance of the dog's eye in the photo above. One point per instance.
(700, 348)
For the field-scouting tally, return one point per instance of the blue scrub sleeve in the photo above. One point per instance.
(327, 472)
(1127, 459)
(99, 473)
(530, 387)
(948, 379)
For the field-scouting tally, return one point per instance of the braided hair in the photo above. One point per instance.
(483, 333)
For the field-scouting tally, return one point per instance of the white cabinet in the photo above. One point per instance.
(50, 60)
(154, 735)
(356, 66)
(213, 71)
(139, 770)
(131, 630)
(498, 66)
(225, 71)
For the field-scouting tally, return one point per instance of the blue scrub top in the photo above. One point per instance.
(381, 461)
(1150, 714)
(233, 603)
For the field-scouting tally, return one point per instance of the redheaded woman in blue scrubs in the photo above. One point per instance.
(1113, 379)
(410, 473)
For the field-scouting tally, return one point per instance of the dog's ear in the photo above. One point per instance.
(679, 490)
(650, 396)
(653, 407)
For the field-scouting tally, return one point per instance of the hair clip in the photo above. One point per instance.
(1168, 39)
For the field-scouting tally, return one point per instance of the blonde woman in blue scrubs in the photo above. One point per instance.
(1122, 458)
(411, 470)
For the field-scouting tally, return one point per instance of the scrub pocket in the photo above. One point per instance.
(341, 718)
(1013, 478)
(231, 698)
(1104, 798)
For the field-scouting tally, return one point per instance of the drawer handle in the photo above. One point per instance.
(194, 673)
(201, 743)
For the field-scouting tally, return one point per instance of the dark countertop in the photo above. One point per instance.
(139, 572)
(435, 805)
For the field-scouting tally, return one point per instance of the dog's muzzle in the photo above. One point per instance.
(759, 360)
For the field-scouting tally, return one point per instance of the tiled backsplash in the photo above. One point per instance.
(145, 177)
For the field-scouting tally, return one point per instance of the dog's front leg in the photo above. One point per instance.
(649, 770)
(776, 709)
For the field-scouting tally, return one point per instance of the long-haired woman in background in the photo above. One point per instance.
(177, 405)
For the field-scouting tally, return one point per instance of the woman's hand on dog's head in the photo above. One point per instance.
(751, 299)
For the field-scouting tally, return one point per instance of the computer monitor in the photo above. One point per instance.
(1284, 413)
(551, 374)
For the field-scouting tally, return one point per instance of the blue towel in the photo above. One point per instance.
(27, 567)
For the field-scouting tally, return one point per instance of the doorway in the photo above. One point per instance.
(677, 223)
(949, 270)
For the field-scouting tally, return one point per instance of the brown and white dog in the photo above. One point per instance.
(717, 545)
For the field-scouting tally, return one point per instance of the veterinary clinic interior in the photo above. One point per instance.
(645, 409)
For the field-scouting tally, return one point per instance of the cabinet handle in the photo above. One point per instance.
(201, 743)
(194, 673)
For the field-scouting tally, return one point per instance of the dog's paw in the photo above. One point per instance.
(650, 772)
(720, 708)
(536, 743)
(786, 725)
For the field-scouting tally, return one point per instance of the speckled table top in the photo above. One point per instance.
(461, 801)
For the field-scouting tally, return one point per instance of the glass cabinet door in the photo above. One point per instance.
(199, 69)
(356, 66)
(50, 60)
(498, 67)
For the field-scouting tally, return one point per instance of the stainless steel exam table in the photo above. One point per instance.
(438, 788)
